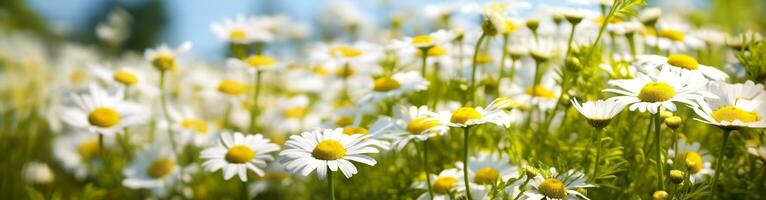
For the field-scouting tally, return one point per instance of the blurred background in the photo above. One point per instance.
(175, 21)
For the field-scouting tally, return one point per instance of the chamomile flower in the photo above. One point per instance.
(395, 86)
(238, 30)
(237, 153)
(674, 38)
(133, 79)
(76, 151)
(737, 106)
(328, 149)
(290, 115)
(469, 116)
(426, 41)
(164, 58)
(486, 169)
(544, 95)
(444, 185)
(599, 113)
(103, 112)
(557, 186)
(414, 123)
(682, 64)
(155, 169)
(256, 63)
(693, 154)
(193, 130)
(650, 92)
(376, 132)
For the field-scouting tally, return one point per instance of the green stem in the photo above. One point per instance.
(254, 106)
(603, 27)
(472, 86)
(571, 39)
(521, 187)
(719, 160)
(502, 62)
(658, 152)
(598, 153)
(166, 114)
(245, 193)
(329, 184)
(465, 162)
(425, 169)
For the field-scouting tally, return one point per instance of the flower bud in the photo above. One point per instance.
(673, 122)
(532, 24)
(665, 114)
(573, 64)
(677, 176)
(660, 195)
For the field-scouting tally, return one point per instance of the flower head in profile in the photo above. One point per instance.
(256, 63)
(696, 159)
(103, 112)
(414, 123)
(155, 169)
(395, 86)
(237, 30)
(650, 92)
(682, 64)
(444, 185)
(599, 113)
(487, 169)
(427, 41)
(327, 149)
(557, 186)
(469, 116)
(164, 58)
(737, 106)
(238, 153)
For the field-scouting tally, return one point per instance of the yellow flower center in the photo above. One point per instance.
(355, 130)
(683, 61)
(196, 124)
(483, 58)
(240, 154)
(673, 34)
(329, 150)
(320, 70)
(346, 51)
(656, 92)
(125, 77)
(160, 168)
(344, 121)
(164, 61)
(731, 113)
(510, 27)
(385, 84)
(345, 71)
(296, 112)
(260, 61)
(104, 117)
(692, 157)
(541, 92)
(422, 40)
(231, 87)
(419, 125)
(237, 34)
(88, 148)
(444, 184)
(553, 188)
(79, 75)
(462, 115)
(486, 176)
(435, 51)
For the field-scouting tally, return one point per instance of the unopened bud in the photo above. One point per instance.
(676, 176)
(660, 195)
(665, 114)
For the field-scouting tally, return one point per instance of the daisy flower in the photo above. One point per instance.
(376, 132)
(321, 150)
(155, 169)
(238, 30)
(77, 151)
(650, 92)
(414, 123)
(193, 130)
(692, 153)
(237, 153)
(544, 94)
(486, 169)
(557, 186)
(739, 105)
(682, 64)
(599, 113)
(673, 38)
(164, 58)
(103, 112)
(443, 185)
(426, 41)
(395, 86)
(468, 116)
(256, 63)
(292, 114)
